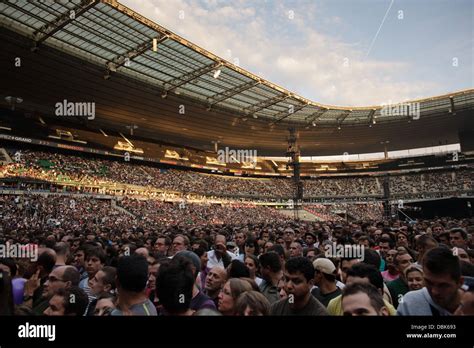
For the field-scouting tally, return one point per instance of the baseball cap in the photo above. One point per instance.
(324, 266)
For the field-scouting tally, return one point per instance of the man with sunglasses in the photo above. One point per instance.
(62, 277)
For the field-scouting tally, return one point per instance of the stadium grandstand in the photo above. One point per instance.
(118, 137)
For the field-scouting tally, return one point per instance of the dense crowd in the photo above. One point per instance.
(60, 213)
(345, 211)
(146, 180)
(219, 260)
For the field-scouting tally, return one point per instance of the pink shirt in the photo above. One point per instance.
(389, 277)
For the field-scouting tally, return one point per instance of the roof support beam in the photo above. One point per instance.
(188, 78)
(371, 116)
(453, 109)
(252, 109)
(220, 97)
(343, 116)
(284, 114)
(49, 29)
(315, 116)
(120, 60)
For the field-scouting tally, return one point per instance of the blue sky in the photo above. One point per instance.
(327, 51)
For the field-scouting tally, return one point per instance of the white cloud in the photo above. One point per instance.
(288, 52)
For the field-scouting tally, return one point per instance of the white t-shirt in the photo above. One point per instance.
(213, 261)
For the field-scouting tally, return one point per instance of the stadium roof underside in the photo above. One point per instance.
(237, 108)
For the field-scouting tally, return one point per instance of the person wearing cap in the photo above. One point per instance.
(325, 281)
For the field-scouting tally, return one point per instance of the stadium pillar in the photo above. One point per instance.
(293, 152)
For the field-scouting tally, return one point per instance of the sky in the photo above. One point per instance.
(334, 52)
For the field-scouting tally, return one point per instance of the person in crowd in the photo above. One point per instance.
(415, 277)
(466, 304)
(391, 273)
(361, 273)
(237, 269)
(271, 271)
(132, 276)
(361, 299)
(199, 300)
(214, 282)
(399, 286)
(239, 238)
(253, 264)
(62, 277)
(62, 253)
(443, 280)
(70, 301)
(219, 256)
(229, 295)
(325, 281)
(458, 238)
(296, 250)
(180, 243)
(162, 245)
(80, 260)
(6, 294)
(95, 261)
(252, 303)
(251, 247)
(103, 282)
(174, 287)
(423, 244)
(105, 305)
(299, 278)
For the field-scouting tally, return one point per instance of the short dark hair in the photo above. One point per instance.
(376, 298)
(10, 263)
(110, 274)
(460, 230)
(61, 248)
(76, 307)
(277, 248)
(441, 260)
(47, 260)
(271, 260)
(371, 257)
(300, 264)
(467, 269)
(97, 252)
(175, 279)
(364, 270)
(390, 241)
(238, 270)
(72, 275)
(132, 273)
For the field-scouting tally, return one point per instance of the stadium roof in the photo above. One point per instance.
(127, 45)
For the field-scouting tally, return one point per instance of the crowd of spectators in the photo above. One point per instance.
(108, 176)
(115, 264)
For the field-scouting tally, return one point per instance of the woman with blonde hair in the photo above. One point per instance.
(414, 277)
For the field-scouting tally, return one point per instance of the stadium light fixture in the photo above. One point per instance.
(12, 101)
(217, 73)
